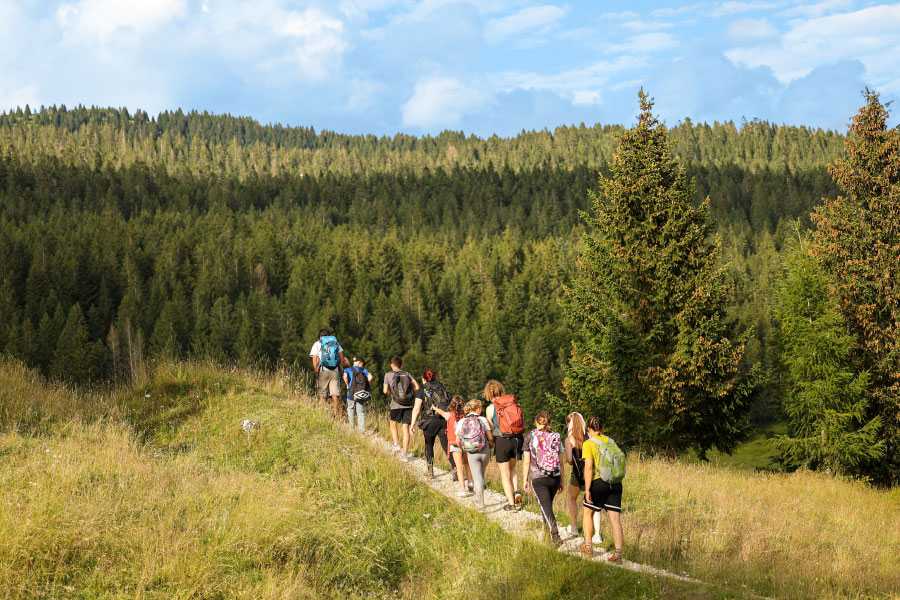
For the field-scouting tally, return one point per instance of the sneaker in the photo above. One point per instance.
(572, 530)
(517, 496)
(470, 485)
(511, 508)
(463, 494)
(597, 540)
(615, 557)
(395, 449)
(479, 506)
(587, 549)
(429, 471)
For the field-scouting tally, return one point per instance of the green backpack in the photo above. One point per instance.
(612, 460)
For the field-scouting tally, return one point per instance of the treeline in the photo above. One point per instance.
(200, 143)
(118, 242)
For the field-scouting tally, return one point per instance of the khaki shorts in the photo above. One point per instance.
(328, 383)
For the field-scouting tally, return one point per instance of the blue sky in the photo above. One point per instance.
(484, 67)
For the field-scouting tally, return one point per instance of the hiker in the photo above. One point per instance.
(328, 359)
(604, 467)
(402, 388)
(505, 415)
(476, 440)
(431, 401)
(359, 391)
(542, 456)
(460, 470)
(575, 435)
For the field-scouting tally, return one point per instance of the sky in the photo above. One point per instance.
(484, 67)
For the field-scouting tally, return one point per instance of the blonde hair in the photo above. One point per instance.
(493, 389)
(576, 428)
(473, 406)
(542, 420)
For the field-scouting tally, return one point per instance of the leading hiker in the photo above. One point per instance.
(328, 359)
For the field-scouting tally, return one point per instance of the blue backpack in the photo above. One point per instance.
(330, 352)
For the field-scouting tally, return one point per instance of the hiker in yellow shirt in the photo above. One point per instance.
(599, 494)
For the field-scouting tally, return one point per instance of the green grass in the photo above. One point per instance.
(166, 497)
(755, 453)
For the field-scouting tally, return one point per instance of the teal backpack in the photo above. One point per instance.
(612, 460)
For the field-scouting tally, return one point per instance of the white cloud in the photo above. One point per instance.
(736, 8)
(101, 18)
(751, 29)
(868, 35)
(527, 19)
(440, 102)
(817, 10)
(318, 41)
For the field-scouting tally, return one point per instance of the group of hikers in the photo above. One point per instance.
(469, 431)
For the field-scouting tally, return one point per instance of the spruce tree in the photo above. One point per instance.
(857, 238)
(72, 361)
(655, 355)
(825, 398)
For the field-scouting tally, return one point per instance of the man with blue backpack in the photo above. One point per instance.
(359, 391)
(328, 359)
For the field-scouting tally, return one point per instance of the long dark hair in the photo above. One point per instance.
(456, 406)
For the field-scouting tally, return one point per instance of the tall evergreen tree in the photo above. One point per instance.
(857, 237)
(655, 355)
(826, 396)
(72, 360)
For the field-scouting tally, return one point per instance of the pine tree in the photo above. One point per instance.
(857, 238)
(826, 398)
(654, 354)
(72, 360)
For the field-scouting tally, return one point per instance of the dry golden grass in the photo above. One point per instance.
(186, 505)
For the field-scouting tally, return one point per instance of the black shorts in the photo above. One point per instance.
(506, 448)
(402, 415)
(605, 496)
(573, 480)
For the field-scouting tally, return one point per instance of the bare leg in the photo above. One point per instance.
(573, 505)
(336, 405)
(515, 474)
(506, 479)
(587, 523)
(598, 518)
(461, 467)
(405, 437)
(394, 432)
(616, 523)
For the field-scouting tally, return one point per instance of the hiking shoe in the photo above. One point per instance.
(615, 557)
(470, 485)
(587, 549)
(511, 508)
(404, 457)
(517, 496)
(429, 471)
(597, 539)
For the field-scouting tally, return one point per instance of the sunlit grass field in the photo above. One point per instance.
(154, 491)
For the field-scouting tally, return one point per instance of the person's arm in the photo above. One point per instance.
(415, 384)
(562, 471)
(346, 379)
(370, 376)
(384, 387)
(315, 360)
(417, 407)
(569, 445)
(526, 460)
(588, 476)
(443, 413)
(490, 436)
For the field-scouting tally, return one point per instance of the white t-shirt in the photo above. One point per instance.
(484, 424)
(317, 351)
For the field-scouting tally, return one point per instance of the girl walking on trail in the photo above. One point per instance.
(599, 494)
(543, 455)
(432, 400)
(508, 447)
(575, 436)
(476, 439)
(460, 462)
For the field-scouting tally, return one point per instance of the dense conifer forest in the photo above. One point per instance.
(125, 237)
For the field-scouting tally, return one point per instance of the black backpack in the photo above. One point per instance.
(360, 390)
(436, 396)
(401, 387)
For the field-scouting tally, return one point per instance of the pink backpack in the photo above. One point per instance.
(545, 447)
(471, 434)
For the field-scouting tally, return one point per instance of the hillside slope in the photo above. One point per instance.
(181, 503)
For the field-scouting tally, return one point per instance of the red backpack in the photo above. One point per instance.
(508, 415)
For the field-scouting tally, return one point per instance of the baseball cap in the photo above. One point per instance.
(358, 359)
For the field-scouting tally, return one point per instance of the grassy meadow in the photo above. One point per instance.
(162, 495)
(154, 491)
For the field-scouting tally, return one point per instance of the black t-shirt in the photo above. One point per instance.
(426, 404)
